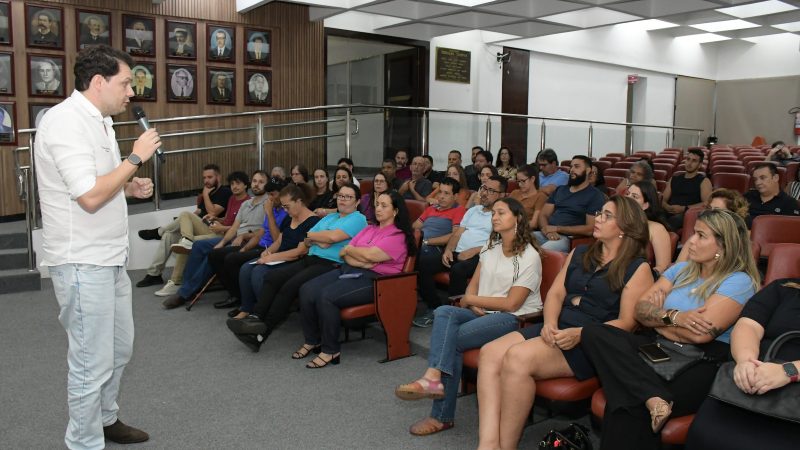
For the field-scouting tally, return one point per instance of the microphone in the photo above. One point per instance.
(138, 112)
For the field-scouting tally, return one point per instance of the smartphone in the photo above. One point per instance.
(654, 352)
(345, 276)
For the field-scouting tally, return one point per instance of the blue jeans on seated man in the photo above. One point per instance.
(456, 330)
(251, 279)
(560, 245)
(198, 270)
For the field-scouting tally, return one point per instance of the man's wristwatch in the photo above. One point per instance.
(424, 242)
(134, 159)
(791, 372)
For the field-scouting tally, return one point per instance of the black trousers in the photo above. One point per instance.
(281, 286)
(429, 263)
(628, 381)
(226, 263)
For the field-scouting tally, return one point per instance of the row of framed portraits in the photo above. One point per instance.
(44, 28)
(8, 119)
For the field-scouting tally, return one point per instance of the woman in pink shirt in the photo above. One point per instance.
(377, 250)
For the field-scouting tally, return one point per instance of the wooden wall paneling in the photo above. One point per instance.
(514, 132)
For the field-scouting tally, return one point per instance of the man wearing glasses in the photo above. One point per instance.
(570, 209)
(462, 252)
(550, 177)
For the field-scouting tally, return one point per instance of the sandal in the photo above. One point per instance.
(422, 388)
(313, 364)
(660, 414)
(428, 426)
(303, 351)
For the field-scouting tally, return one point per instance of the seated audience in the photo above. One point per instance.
(278, 172)
(461, 254)
(767, 198)
(299, 174)
(597, 179)
(645, 195)
(389, 170)
(401, 159)
(694, 302)
(569, 210)
(347, 163)
(323, 196)
(505, 164)
(550, 176)
(341, 176)
(721, 198)
(599, 283)
(505, 285)
(639, 171)
(781, 154)
(454, 159)
(772, 312)
(432, 175)
(527, 193)
(454, 172)
(417, 187)
(683, 191)
(322, 246)
(486, 172)
(470, 170)
(377, 250)
(368, 201)
(482, 159)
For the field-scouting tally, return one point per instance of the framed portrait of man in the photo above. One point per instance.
(94, 28)
(222, 42)
(46, 75)
(259, 44)
(8, 120)
(181, 42)
(6, 32)
(182, 83)
(44, 26)
(140, 36)
(36, 112)
(221, 86)
(144, 82)
(258, 87)
(6, 73)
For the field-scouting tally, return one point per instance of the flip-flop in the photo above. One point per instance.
(428, 426)
(416, 391)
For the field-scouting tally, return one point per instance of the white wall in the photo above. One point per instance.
(772, 56)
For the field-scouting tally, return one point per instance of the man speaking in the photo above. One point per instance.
(82, 189)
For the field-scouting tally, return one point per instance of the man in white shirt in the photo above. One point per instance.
(82, 187)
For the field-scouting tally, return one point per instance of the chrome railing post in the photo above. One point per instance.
(699, 136)
(542, 137)
(32, 187)
(347, 134)
(488, 133)
(260, 141)
(591, 139)
(667, 142)
(629, 150)
(425, 149)
(156, 183)
(30, 209)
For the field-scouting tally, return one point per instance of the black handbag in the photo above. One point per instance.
(573, 437)
(681, 358)
(783, 403)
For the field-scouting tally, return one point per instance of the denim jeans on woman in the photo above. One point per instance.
(456, 330)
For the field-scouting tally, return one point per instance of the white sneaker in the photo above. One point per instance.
(169, 289)
(184, 246)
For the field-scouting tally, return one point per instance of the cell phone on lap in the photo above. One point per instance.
(654, 352)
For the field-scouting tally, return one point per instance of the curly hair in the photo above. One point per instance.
(734, 201)
(523, 235)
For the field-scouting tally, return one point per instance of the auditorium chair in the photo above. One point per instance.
(668, 168)
(674, 432)
(689, 218)
(747, 160)
(603, 165)
(563, 169)
(660, 186)
(660, 175)
(365, 186)
(619, 155)
(611, 159)
(624, 164)
(768, 230)
(649, 154)
(512, 186)
(736, 181)
(415, 209)
(616, 172)
(663, 160)
(394, 307)
(612, 182)
(728, 168)
(784, 262)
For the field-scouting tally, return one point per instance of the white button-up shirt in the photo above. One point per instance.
(74, 145)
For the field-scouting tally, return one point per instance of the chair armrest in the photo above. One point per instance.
(530, 318)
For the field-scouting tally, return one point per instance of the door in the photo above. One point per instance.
(513, 131)
(403, 76)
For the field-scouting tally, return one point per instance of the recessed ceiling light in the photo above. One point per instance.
(757, 9)
(466, 2)
(647, 25)
(701, 38)
(590, 17)
(791, 26)
(724, 25)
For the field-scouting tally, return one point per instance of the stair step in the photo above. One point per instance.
(14, 258)
(13, 240)
(20, 280)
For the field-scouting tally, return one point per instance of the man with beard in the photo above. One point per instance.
(570, 210)
(686, 190)
(470, 170)
(768, 198)
(43, 34)
(482, 159)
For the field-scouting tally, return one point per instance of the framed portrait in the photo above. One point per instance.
(180, 38)
(259, 45)
(140, 35)
(36, 112)
(6, 73)
(221, 86)
(221, 45)
(258, 87)
(8, 122)
(182, 83)
(144, 82)
(44, 26)
(94, 28)
(46, 76)
(6, 33)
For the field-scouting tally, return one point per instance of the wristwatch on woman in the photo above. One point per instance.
(791, 372)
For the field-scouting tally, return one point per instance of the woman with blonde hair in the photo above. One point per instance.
(722, 198)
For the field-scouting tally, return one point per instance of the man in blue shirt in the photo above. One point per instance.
(550, 176)
(570, 210)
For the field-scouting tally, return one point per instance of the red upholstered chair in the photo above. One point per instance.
(365, 186)
(633, 158)
(767, 231)
(394, 307)
(784, 262)
(674, 432)
(603, 164)
(415, 209)
(750, 159)
(668, 168)
(612, 182)
(611, 159)
(563, 169)
(660, 186)
(512, 186)
(624, 164)
(660, 175)
(616, 172)
(619, 155)
(689, 218)
(728, 168)
(736, 181)
(645, 154)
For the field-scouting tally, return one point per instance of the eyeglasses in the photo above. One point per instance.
(522, 180)
(605, 215)
(489, 190)
(346, 197)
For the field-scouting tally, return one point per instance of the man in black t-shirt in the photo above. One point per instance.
(686, 190)
(768, 198)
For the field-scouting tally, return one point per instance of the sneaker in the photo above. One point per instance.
(184, 246)
(150, 280)
(168, 289)
(149, 235)
(424, 321)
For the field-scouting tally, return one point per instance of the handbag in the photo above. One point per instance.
(783, 403)
(573, 437)
(681, 358)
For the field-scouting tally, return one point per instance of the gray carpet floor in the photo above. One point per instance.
(192, 385)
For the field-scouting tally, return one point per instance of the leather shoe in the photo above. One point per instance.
(150, 280)
(233, 313)
(150, 235)
(249, 325)
(229, 302)
(173, 301)
(253, 342)
(123, 434)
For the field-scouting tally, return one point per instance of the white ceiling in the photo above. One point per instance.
(519, 19)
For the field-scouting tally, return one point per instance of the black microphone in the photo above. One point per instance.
(138, 112)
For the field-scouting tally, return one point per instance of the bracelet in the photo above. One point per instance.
(675, 319)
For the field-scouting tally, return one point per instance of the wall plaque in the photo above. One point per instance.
(452, 65)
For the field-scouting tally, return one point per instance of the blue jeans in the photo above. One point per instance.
(95, 310)
(198, 270)
(456, 330)
(251, 279)
(561, 245)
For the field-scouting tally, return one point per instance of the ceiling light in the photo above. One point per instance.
(724, 25)
(590, 17)
(701, 38)
(647, 25)
(791, 26)
(757, 9)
